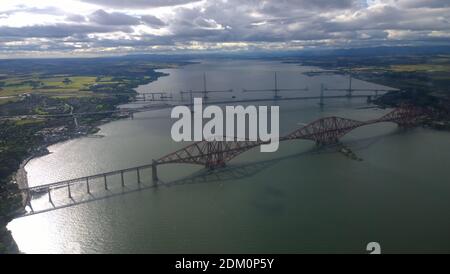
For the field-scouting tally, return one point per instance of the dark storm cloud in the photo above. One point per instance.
(138, 3)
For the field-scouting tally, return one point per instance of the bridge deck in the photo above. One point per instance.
(216, 154)
(158, 107)
(84, 179)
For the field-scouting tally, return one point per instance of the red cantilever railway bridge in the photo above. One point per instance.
(216, 154)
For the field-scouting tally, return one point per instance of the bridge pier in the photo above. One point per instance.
(155, 172)
(87, 186)
(31, 207)
(28, 203)
(106, 182)
(407, 125)
(50, 195)
(75, 121)
(121, 178)
(327, 142)
(213, 166)
(69, 191)
(138, 173)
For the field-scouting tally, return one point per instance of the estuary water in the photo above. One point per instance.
(297, 200)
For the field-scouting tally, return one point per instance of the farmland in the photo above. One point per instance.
(57, 86)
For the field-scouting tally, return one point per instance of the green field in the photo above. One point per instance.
(61, 86)
(28, 122)
(77, 78)
(7, 100)
(78, 85)
(427, 68)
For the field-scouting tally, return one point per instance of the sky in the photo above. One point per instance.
(55, 28)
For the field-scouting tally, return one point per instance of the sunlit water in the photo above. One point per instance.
(293, 201)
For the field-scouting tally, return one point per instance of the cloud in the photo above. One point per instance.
(34, 10)
(424, 3)
(57, 31)
(152, 21)
(115, 18)
(139, 3)
(75, 18)
(148, 26)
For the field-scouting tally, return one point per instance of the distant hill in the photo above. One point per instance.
(386, 51)
(357, 52)
(257, 54)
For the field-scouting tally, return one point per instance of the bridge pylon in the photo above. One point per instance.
(155, 172)
(215, 156)
(322, 95)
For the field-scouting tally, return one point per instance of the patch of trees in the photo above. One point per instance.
(67, 81)
(15, 143)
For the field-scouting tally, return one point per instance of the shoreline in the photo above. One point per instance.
(20, 176)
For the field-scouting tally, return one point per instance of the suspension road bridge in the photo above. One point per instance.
(216, 154)
(128, 111)
(167, 105)
(167, 100)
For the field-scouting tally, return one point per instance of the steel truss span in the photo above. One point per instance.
(325, 131)
(213, 155)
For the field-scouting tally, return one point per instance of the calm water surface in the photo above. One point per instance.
(293, 201)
